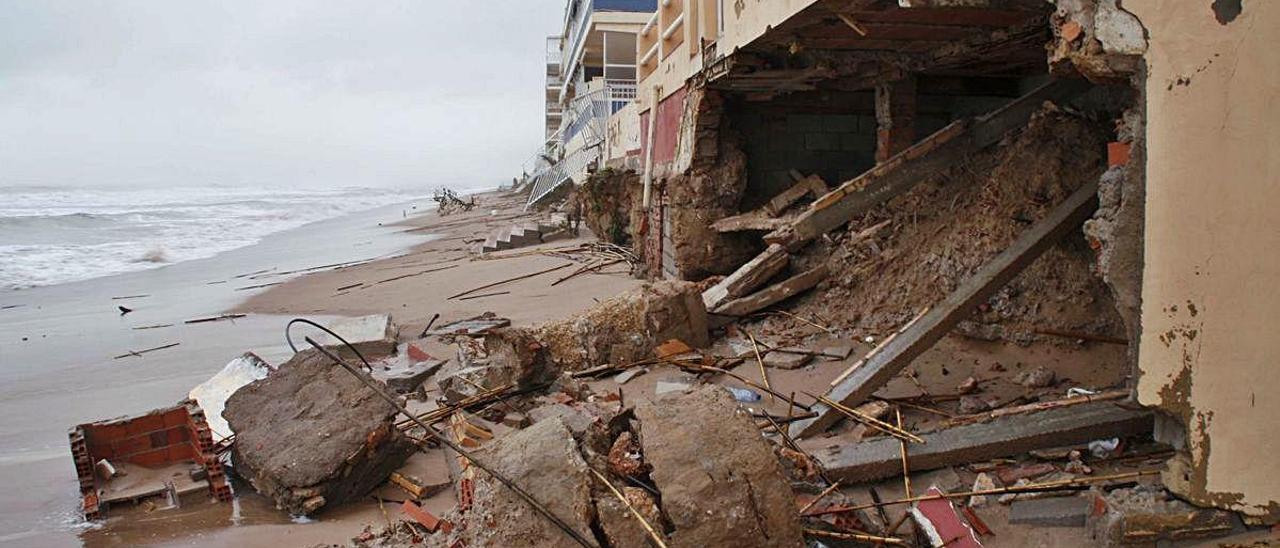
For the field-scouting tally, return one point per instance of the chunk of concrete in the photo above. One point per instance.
(721, 484)
(310, 435)
(212, 394)
(628, 328)
(543, 460)
(1146, 515)
(374, 336)
(1054, 512)
(405, 376)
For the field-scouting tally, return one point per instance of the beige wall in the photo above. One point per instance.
(1210, 348)
(744, 22)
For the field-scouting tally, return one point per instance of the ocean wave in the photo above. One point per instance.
(57, 235)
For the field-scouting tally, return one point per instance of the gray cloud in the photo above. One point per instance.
(282, 92)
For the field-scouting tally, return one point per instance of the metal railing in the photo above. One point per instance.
(584, 123)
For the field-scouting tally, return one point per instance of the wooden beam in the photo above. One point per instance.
(773, 294)
(750, 276)
(935, 153)
(749, 221)
(942, 317)
(789, 196)
(877, 459)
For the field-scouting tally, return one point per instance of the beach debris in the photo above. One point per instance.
(629, 327)
(509, 280)
(212, 394)
(1039, 377)
(1149, 515)
(404, 375)
(156, 326)
(1050, 512)
(942, 524)
(121, 298)
(139, 353)
(921, 334)
(424, 518)
(217, 318)
(704, 492)
(669, 385)
(982, 482)
(145, 456)
(878, 458)
(626, 376)
(483, 295)
(474, 326)
(259, 286)
(310, 436)
(744, 395)
(373, 336)
(124, 310)
(448, 202)
(543, 459)
(1101, 449)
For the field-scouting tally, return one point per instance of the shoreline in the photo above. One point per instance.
(298, 272)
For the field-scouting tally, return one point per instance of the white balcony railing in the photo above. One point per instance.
(584, 123)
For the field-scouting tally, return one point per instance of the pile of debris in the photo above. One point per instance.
(448, 202)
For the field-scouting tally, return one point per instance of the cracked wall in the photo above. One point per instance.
(1209, 348)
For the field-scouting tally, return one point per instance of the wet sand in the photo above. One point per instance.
(57, 367)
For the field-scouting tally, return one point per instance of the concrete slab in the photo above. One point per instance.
(1055, 512)
(212, 394)
(374, 335)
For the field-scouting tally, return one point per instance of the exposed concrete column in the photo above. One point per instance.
(895, 117)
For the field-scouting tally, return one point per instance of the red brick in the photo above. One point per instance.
(1118, 154)
(425, 518)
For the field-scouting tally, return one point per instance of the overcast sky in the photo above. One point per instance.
(279, 92)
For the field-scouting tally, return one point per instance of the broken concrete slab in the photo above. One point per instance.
(1006, 436)
(922, 333)
(212, 394)
(1052, 512)
(543, 459)
(808, 185)
(311, 435)
(721, 484)
(475, 326)
(404, 376)
(627, 328)
(786, 360)
(1146, 515)
(374, 336)
(752, 221)
(620, 526)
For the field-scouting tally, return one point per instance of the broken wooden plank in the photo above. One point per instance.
(877, 459)
(941, 318)
(747, 278)
(773, 294)
(789, 196)
(749, 221)
(946, 147)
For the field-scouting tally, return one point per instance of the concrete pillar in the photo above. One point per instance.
(895, 117)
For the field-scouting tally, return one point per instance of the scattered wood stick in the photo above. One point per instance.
(820, 496)
(902, 446)
(157, 326)
(483, 295)
(861, 537)
(419, 273)
(764, 376)
(259, 286)
(1042, 406)
(215, 318)
(352, 286)
(509, 280)
(586, 269)
(798, 317)
(407, 485)
(139, 353)
(129, 297)
(868, 420)
(713, 369)
(647, 527)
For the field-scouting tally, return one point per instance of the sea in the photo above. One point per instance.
(52, 235)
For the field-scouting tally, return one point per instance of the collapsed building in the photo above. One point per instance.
(1005, 170)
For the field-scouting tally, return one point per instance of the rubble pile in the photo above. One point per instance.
(310, 435)
(910, 252)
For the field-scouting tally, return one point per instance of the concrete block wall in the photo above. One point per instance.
(836, 146)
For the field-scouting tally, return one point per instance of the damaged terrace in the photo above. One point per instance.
(900, 258)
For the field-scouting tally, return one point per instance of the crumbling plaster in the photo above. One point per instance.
(1209, 348)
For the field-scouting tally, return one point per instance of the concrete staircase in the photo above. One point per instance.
(521, 234)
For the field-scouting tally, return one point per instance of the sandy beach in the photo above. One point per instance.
(49, 385)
